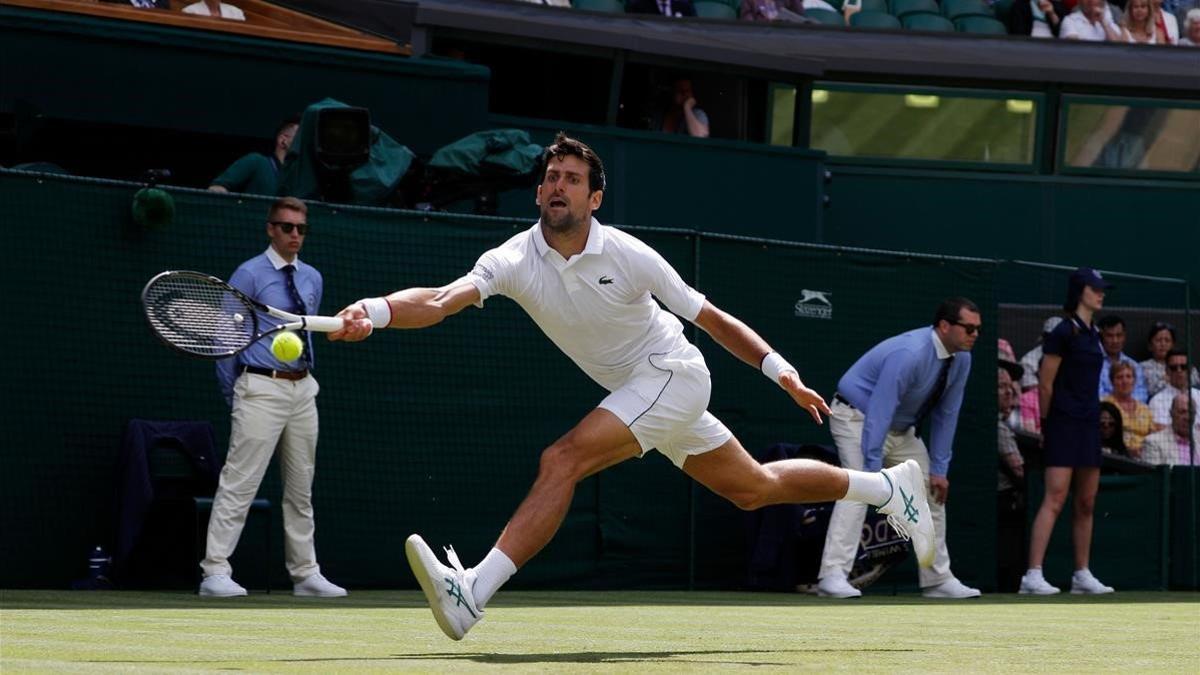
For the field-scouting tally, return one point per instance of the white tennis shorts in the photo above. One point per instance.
(664, 405)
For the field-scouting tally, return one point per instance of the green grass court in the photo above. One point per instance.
(52, 631)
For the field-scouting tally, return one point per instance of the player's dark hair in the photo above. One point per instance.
(564, 146)
(950, 308)
(1110, 321)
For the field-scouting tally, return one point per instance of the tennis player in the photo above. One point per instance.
(589, 287)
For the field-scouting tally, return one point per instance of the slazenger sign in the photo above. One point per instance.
(814, 304)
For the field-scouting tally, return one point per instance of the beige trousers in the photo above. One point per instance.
(268, 413)
(846, 522)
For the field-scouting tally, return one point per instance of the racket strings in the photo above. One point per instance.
(198, 316)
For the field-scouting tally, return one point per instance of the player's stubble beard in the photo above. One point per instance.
(567, 223)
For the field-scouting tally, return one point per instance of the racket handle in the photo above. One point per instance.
(323, 324)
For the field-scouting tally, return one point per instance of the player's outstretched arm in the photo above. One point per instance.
(410, 308)
(752, 349)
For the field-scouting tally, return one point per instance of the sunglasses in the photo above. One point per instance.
(970, 328)
(1177, 366)
(287, 227)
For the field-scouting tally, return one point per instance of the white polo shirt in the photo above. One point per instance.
(597, 306)
(1077, 25)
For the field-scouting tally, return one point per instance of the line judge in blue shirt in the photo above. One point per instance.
(273, 403)
(879, 406)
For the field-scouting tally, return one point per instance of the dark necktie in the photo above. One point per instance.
(290, 276)
(939, 388)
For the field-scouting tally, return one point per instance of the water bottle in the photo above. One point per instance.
(98, 564)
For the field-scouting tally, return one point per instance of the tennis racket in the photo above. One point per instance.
(200, 315)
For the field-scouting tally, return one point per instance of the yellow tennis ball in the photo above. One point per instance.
(287, 346)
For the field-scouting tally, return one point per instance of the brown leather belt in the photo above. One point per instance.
(279, 374)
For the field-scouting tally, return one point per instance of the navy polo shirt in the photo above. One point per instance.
(1079, 374)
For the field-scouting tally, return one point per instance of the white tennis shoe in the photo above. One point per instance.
(220, 586)
(1033, 583)
(908, 509)
(1084, 583)
(951, 588)
(835, 586)
(448, 589)
(317, 586)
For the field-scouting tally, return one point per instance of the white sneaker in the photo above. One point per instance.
(837, 587)
(1033, 583)
(1083, 583)
(908, 509)
(951, 588)
(220, 586)
(447, 589)
(317, 586)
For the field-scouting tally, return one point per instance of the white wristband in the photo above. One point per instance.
(378, 311)
(774, 366)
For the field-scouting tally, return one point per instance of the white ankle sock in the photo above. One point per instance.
(490, 575)
(868, 487)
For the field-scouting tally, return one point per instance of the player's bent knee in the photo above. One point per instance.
(561, 462)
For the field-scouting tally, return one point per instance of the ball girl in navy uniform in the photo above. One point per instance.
(1067, 384)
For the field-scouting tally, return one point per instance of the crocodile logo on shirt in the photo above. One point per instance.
(605, 280)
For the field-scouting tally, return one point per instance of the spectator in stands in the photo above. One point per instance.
(1136, 421)
(1031, 363)
(1112, 433)
(1032, 359)
(1012, 465)
(1070, 432)
(684, 116)
(1172, 446)
(1165, 23)
(663, 7)
(1159, 343)
(1010, 495)
(257, 173)
(144, 4)
(1030, 407)
(1160, 405)
(1004, 352)
(1191, 29)
(1139, 26)
(1036, 18)
(1092, 21)
(1112, 335)
(773, 10)
(215, 8)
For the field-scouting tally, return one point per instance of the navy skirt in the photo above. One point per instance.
(1069, 441)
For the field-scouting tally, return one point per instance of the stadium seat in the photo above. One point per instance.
(980, 25)
(874, 20)
(956, 9)
(1002, 9)
(610, 6)
(880, 6)
(825, 17)
(903, 8)
(929, 22)
(714, 10)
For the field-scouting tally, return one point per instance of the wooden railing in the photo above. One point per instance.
(263, 20)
